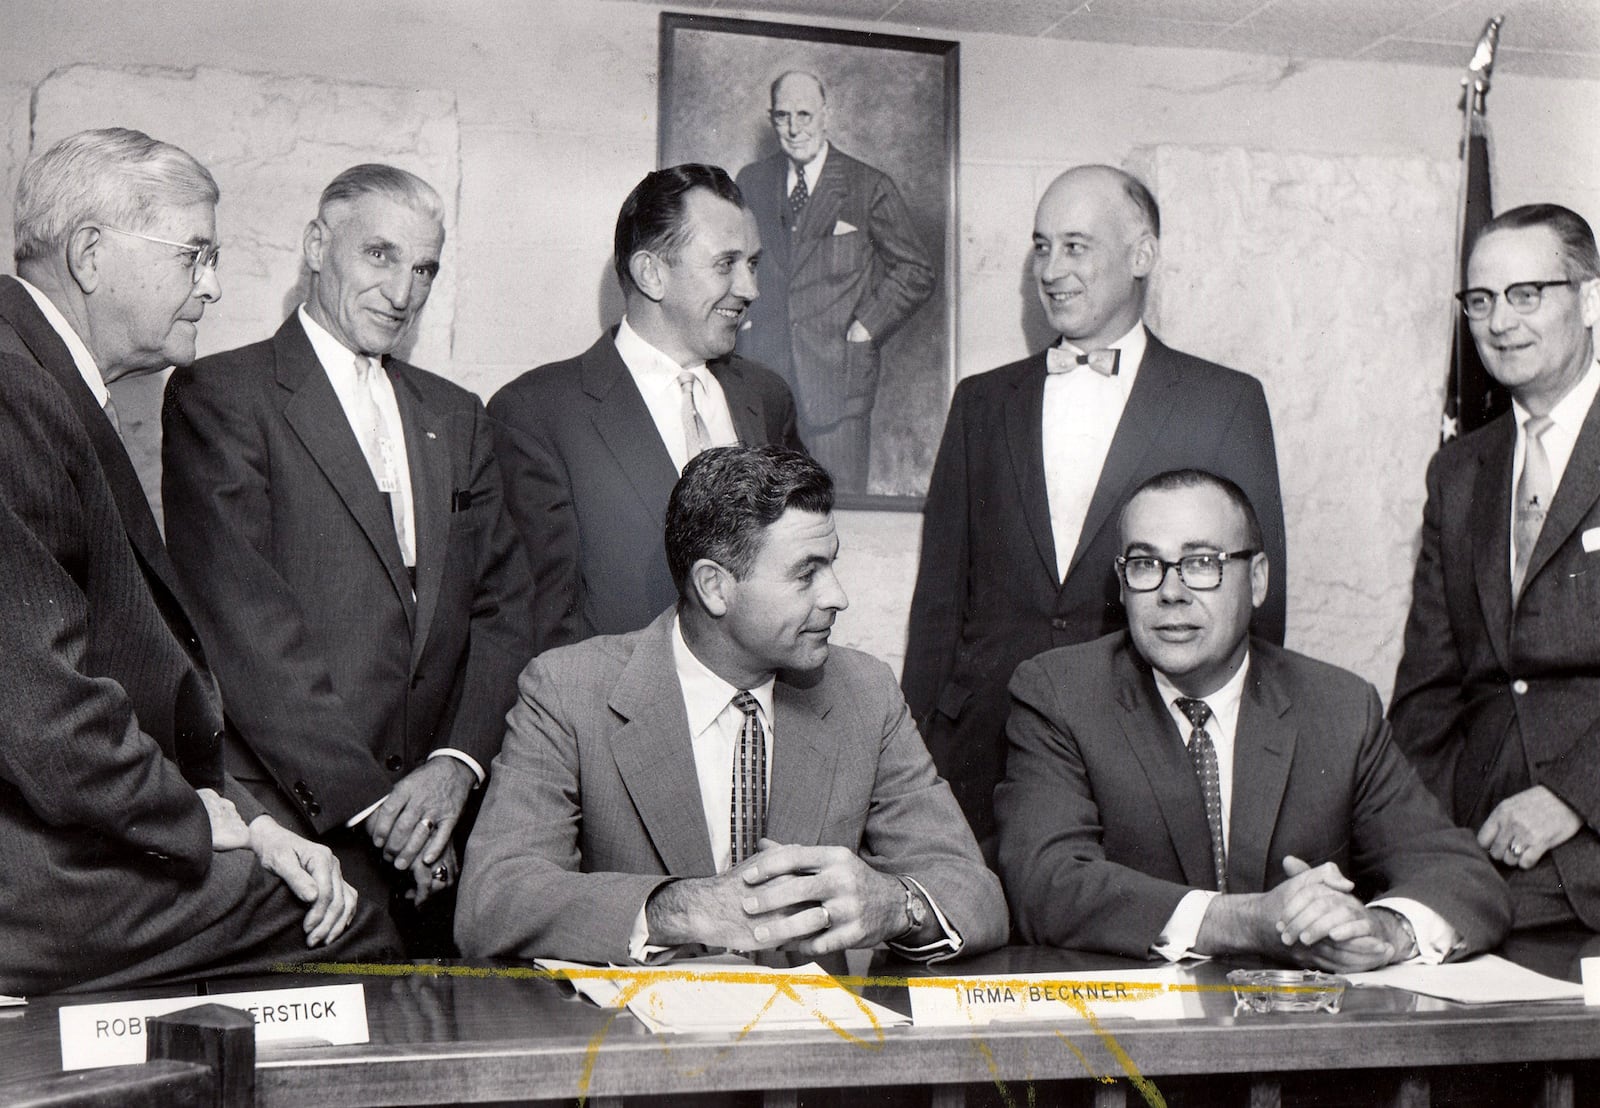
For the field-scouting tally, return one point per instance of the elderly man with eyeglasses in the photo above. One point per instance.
(1497, 697)
(1182, 789)
(132, 858)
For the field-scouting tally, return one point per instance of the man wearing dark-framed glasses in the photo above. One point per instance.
(1181, 788)
(1497, 696)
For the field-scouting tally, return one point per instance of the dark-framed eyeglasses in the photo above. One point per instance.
(781, 118)
(199, 258)
(1201, 572)
(1524, 297)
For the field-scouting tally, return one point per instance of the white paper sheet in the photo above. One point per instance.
(1486, 979)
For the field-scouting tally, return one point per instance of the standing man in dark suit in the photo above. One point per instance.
(1181, 788)
(1497, 698)
(1037, 459)
(842, 269)
(591, 446)
(724, 777)
(336, 515)
(130, 856)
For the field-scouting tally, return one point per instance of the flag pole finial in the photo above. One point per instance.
(1481, 67)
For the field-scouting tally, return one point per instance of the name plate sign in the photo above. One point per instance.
(1052, 997)
(113, 1034)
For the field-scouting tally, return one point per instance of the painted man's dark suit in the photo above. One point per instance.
(987, 595)
(587, 479)
(1491, 700)
(594, 801)
(1102, 819)
(338, 679)
(112, 720)
(853, 255)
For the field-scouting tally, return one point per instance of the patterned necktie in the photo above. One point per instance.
(747, 816)
(1204, 756)
(373, 435)
(1533, 498)
(1061, 360)
(695, 436)
(798, 197)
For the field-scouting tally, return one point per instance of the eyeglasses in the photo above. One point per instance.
(781, 119)
(1524, 296)
(201, 258)
(1201, 572)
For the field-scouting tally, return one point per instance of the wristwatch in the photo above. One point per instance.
(916, 911)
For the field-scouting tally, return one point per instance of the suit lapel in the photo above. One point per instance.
(1263, 750)
(624, 424)
(428, 455)
(1153, 736)
(1490, 527)
(805, 749)
(318, 419)
(1024, 418)
(742, 405)
(1579, 489)
(655, 757)
(1148, 408)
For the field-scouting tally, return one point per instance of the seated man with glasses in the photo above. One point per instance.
(1497, 698)
(1181, 789)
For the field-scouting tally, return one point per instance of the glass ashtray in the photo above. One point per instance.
(1286, 990)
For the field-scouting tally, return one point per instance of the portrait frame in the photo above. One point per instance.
(893, 102)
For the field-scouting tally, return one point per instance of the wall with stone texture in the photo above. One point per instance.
(1289, 186)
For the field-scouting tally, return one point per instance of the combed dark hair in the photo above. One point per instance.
(1573, 231)
(728, 496)
(653, 217)
(1174, 479)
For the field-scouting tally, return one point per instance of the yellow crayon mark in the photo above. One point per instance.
(635, 980)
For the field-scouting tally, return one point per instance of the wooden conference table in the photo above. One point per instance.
(453, 1033)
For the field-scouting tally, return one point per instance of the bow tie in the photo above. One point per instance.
(1060, 360)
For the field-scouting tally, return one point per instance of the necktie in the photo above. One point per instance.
(695, 436)
(372, 433)
(1061, 360)
(1533, 498)
(747, 816)
(1204, 756)
(798, 197)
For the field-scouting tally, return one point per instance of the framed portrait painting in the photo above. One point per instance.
(844, 146)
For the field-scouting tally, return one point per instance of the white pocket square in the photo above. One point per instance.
(843, 228)
(1591, 540)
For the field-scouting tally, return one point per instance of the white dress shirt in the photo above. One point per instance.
(1081, 413)
(813, 170)
(338, 362)
(1435, 937)
(714, 727)
(656, 377)
(1566, 420)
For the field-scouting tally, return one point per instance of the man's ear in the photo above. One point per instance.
(649, 274)
(712, 585)
(313, 242)
(84, 257)
(1146, 249)
(1258, 580)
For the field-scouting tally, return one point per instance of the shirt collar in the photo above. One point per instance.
(1224, 703)
(705, 694)
(337, 359)
(81, 358)
(1573, 408)
(813, 170)
(643, 358)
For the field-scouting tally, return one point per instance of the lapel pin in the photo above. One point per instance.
(430, 434)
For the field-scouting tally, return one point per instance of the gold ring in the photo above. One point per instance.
(441, 873)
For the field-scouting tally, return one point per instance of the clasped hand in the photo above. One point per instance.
(808, 899)
(412, 826)
(1319, 923)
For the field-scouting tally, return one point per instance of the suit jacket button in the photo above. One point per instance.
(1058, 623)
(300, 790)
(1519, 686)
(394, 762)
(313, 809)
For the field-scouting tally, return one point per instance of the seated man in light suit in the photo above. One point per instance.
(1287, 813)
(632, 811)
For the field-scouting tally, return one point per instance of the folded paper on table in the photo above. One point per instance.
(726, 994)
(1165, 993)
(1486, 979)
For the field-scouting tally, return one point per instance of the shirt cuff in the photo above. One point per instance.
(355, 820)
(461, 756)
(937, 951)
(1182, 930)
(1435, 937)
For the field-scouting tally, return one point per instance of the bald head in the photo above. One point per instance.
(800, 115)
(1095, 242)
